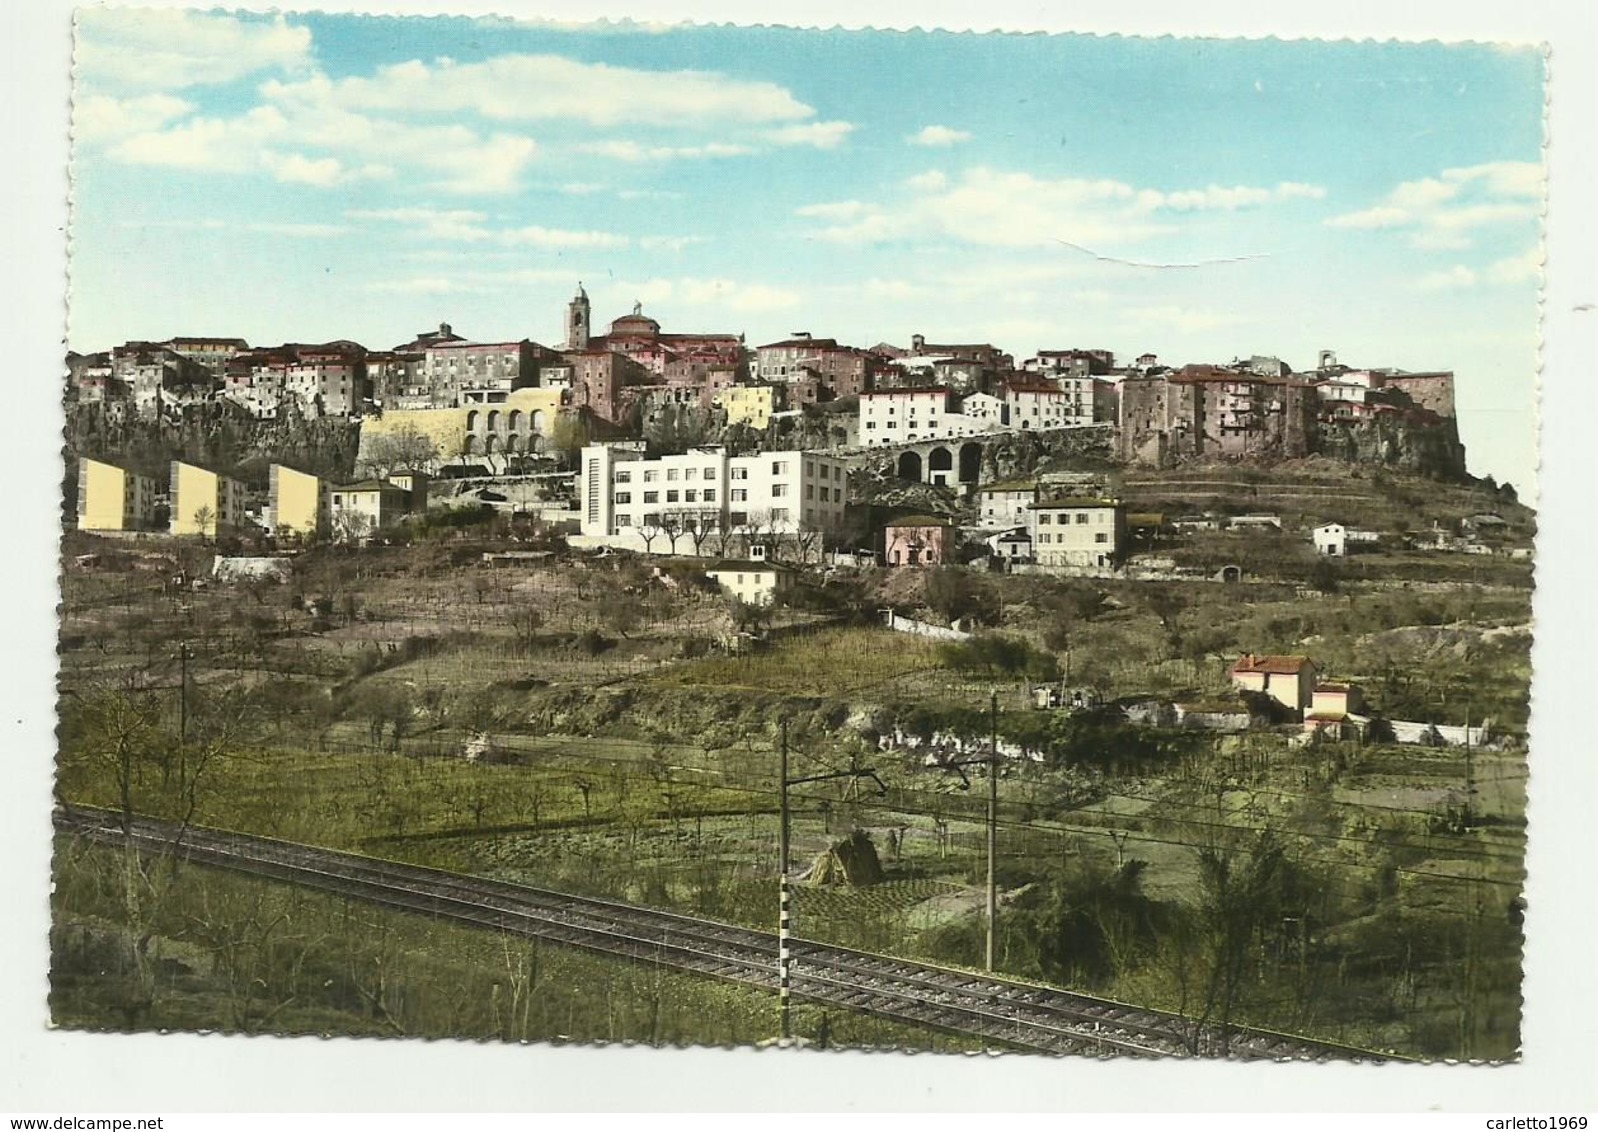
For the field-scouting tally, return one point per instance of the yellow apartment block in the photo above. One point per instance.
(299, 502)
(514, 425)
(204, 501)
(751, 405)
(113, 499)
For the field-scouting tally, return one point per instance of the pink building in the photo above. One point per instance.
(916, 540)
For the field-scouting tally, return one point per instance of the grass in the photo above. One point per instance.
(829, 662)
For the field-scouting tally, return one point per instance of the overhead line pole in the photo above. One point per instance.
(784, 954)
(784, 888)
(993, 829)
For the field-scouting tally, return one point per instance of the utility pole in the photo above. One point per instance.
(1470, 776)
(784, 891)
(993, 828)
(784, 955)
(183, 715)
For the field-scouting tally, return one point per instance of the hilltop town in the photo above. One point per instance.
(563, 430)
(548, 614)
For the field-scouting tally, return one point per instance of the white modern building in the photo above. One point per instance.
(681, 504)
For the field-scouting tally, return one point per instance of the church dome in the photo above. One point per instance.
(637, 324)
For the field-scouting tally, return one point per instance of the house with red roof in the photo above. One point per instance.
(1289, 680)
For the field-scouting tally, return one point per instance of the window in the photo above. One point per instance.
(671, 473)
(692, 495)
(621, 477)
(651, 476)
(738, 474)
(780, 515)
(810, 516)
(1102, 536)
(623, 521)
(871, 424)
(672, 495)
(710, 495)
(810, 467)
(779, 467)
(837, 495)
(738, 518)
(710, 473)
(623, 497)
(1044, 519)
(690, 473)
(739, 495)
(1081, 517)
(810, 491)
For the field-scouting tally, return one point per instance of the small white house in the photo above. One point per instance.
(751, 582)
(1331, 539)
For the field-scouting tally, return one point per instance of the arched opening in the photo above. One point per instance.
(910, 466)
(538, 421)
(472, 446)
(513, 421)
(490, 445)
(471, 421)
(940, 462)
(970, 463)
(493, 420)
(513, 444)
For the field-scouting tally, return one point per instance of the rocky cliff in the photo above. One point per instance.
(221, 437)
(1431, 450)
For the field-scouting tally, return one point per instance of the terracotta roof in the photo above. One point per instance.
(1272, 665)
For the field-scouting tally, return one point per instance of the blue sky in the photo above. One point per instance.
(311, 177)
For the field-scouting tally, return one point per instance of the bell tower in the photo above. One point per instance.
(577, 321)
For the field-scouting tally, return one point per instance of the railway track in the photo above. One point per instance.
(1008, 1013)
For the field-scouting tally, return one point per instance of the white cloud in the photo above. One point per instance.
(294, 229)
(322, 172)
(821, 135)
(835, 210)
(1441, 213)
(523, 88)
(1008, 209)
(453, 158)
(99, 117)
(151, 49)
(622, 150)
(721, 294)
(1523, 268)
(1455, 278)
(469, 226)
(1187, 320)
(432, 285)
(669, 243)
(938, 136)
(439, 224)
(534, 235)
